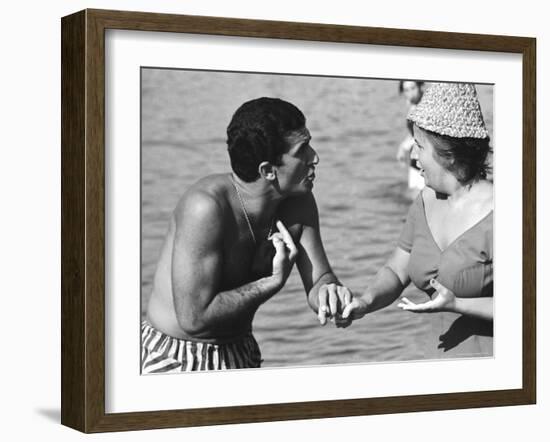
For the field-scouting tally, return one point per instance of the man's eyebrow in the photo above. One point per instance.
(304, 142)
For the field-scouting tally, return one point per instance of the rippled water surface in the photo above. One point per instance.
(356, 126)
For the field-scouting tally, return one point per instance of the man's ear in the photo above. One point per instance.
(267, 171)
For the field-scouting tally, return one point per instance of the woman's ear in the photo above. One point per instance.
(267, 171)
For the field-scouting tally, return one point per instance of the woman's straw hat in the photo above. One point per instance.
(450, 109)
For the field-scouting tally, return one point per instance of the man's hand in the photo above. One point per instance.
(332, 300)
(285, 254)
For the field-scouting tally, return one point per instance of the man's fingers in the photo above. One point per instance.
(280, 255)
(345, 295)
(279, 245)
(283, 229)
(287, 238)
(276, 235)
(323, 308)
(333, 300)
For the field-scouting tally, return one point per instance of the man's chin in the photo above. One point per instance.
(302, 190)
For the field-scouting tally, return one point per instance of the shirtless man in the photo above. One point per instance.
(232, 243)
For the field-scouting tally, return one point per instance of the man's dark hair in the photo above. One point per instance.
(257, 133)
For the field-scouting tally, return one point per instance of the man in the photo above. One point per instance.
(232, 243)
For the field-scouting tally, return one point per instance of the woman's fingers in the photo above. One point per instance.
(344, 294)
(348, 309)
(438, 287)
(332, 300)
(406, 304)
(356, 309)
(440, 302)
(410, 306)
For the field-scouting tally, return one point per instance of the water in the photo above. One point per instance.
(356, 126)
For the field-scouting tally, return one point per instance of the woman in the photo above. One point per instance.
(412, 91)
(446, 245)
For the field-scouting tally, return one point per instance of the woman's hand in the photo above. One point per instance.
(356, 309)
(444, 301)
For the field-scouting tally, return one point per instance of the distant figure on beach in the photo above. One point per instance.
(446, 245)
(232, 243)
(412, 91)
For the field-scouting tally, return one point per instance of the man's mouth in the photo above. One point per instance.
(311, 176)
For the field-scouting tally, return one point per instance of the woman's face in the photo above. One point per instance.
(435, 175)
(412, 92)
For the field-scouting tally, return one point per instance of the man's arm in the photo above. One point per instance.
(197, 261)
(321, 285)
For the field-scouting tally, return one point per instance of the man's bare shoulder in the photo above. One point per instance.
(203, 203)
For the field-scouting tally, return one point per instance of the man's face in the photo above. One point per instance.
(296, 172)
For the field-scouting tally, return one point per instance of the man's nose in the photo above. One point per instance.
(315, 158)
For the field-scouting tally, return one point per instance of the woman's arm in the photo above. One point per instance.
(476, 307)
(388, 284)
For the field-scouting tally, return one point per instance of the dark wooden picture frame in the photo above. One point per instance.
(83, 220)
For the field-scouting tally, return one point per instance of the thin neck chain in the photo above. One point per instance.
(246, 214)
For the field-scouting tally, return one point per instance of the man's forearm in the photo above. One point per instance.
(313, 295)
(229, 307)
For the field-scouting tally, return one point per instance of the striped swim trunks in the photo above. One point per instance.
(161, 353)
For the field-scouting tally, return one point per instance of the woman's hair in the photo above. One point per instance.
(257, 133)
(465, 158)
(401, 84)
